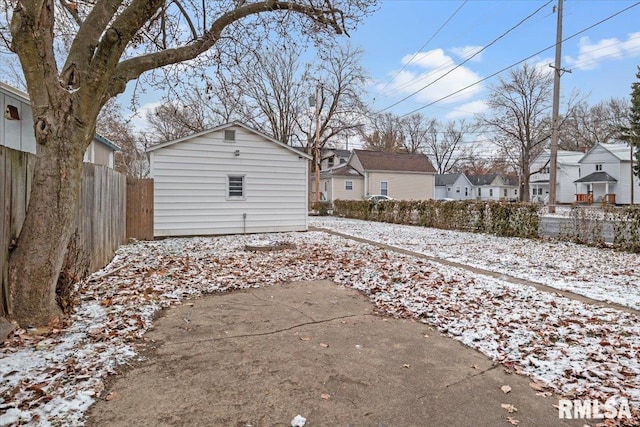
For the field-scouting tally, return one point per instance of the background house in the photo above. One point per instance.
(567, 171)
(398, 175)
(333, 157)
(227, 180)
(606, 173)
(341, 183)
(16, 130)
(454, 186)
(495, 187)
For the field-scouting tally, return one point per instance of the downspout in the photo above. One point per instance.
(244, 223)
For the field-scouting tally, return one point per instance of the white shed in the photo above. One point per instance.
(231, 179)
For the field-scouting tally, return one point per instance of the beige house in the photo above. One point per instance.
(401, 176)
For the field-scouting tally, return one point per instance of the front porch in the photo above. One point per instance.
(587, 198)
(598, 187)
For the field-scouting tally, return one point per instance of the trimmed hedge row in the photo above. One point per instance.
(499, 218)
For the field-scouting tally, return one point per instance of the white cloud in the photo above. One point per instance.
(428, 69)
(468, 109)
(591, 54)
(468, 51)
(432, 59)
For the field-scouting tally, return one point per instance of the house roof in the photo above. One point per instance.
(342, 170)
(480, 180)
(106, 142)
(565, 157)
(15, 92)
(226, 126)
(400, 162)
(338, 152)
(620, 150)
(444, 179)
(597, 177)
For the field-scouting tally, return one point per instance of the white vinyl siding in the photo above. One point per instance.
(191, 186)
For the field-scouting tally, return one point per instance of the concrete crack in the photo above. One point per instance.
(283, 304)
(466, 378)
(277, 331)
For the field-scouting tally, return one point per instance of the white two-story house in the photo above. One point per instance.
(567, 171)
(606, 175)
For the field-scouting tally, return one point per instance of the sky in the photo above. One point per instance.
(409, 44)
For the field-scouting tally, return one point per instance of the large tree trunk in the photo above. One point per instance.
(35, 263)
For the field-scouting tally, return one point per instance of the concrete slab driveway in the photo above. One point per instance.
(261, 357)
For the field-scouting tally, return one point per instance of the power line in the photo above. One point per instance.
(521, 61)
(423, 46)
(470, 57)
(425, 76)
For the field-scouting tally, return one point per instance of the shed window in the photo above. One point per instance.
(235, 187)
(457, 189)
(505, 192)
(229, 135)
(348, 185)
(448, 189)
(466, 191)
(491, 192)
(384, 188)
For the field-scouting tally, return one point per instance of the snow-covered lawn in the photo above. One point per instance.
(566, 346)
(601, 274)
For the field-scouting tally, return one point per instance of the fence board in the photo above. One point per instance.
(5, 218)
(100, 217)
(139, 208)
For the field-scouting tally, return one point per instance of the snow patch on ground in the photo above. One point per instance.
(604, 275)
(575, 349)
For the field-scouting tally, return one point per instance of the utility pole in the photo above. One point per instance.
(632, 174)
(316, 147)
(558, 70)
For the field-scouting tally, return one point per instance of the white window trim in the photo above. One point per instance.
(346, 186)
(244, 188)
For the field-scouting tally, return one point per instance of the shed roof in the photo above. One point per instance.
(226, 126)
(399, 162)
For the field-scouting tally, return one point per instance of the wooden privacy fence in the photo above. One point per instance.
(140, 208)
(100, 218)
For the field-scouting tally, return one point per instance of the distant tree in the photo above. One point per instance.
(631, 132)
(417, 129)
(588, 125)
(173, 120)
(131, 160)
(520, 119)
(445, 145)
(383, 132)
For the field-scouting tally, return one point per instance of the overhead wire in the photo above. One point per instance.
(396, 88)
(424, 45)
(521, 61)
(494, 41)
